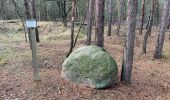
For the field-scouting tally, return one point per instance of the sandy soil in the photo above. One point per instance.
(151, 78)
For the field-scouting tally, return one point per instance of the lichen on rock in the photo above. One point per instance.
(91, 66)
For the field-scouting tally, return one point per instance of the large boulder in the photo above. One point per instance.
(91, 66)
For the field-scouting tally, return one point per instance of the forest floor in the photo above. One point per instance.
(151, 78)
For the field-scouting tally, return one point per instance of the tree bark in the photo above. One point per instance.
(99, 29)
(124, 10)
(129, 46)
(45, 10)
(146, 35)
(157, 13)
(119, 17)
(89, 21)
(149, 28)
(35, 17)
(110, 18)
(143, 16)
(152, 16)
(169, 23)
(2, 9)
(168, 27)
(32, 39)
(145, 40)
(64, 13)
(72, 26)
(27, 12)
(161, 36)
(27, 16)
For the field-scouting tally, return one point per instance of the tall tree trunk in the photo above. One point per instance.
(169, 23)
(72, 22)
(157, 13)
(152, 16)
(89, 21)
(27, 16)
(72, 26)
(124, 10)
(65, 13)
(161, 36)
(45, 10)
(168, 27)
(119, 17)
(143, 16)
(129, 47)
(149, 28)
(35, 17)
(99, 29)
(110, 18)
(2, 9)
(27, 12)
(146, 35)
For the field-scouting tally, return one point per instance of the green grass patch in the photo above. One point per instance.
(12, 37)
(165, 56)
(59, 37)
(6, 54)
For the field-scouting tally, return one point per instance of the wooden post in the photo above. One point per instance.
(34, 54)
(32, 25)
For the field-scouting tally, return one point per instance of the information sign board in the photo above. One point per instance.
(31, 23)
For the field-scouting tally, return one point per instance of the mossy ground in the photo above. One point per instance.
(7, 38)
(6, 55)
(151, 78)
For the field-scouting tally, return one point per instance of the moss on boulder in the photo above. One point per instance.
(91, 66)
